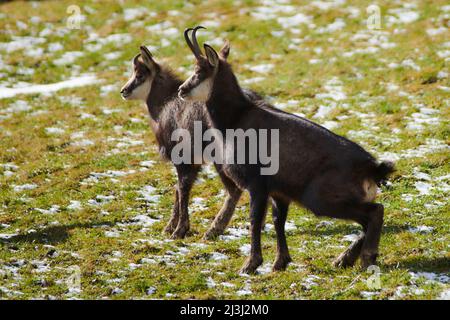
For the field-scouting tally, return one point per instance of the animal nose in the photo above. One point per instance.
(124, 91)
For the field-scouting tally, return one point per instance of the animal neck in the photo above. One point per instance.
(227, 102)
(164, 88)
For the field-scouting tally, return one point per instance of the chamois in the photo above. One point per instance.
(157, 86)
(326, 173)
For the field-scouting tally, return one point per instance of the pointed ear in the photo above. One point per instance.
(135, 59)
(148, 59)
(212, 56)
(225, 51)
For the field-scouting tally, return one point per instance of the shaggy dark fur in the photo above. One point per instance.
(168, 113)
(326, 173)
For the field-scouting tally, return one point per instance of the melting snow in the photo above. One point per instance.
(23, 187)
(423, 187)
(421, 229)
(148, 194)
(217, 256)
(80, 81)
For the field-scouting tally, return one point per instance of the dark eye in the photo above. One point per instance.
(140, 77)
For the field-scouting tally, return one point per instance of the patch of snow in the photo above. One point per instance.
(23, 187)
(294, 21)
(217, 256)
(80, 81)
(53, 130)
(350, 237)
(148, 193)
(52, 210)
(423, 187)
(74, 205)
(19, 43)
(421, 229)
(262, 68)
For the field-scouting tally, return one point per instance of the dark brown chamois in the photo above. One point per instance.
(326, 173)
(157, 86)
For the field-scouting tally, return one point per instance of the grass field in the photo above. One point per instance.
(83, 194)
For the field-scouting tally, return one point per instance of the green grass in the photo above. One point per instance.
(379, 110)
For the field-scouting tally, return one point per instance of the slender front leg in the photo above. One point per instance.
(173, 222)
(226, 212)
(258, 207)
(279, 215)
(186, 178)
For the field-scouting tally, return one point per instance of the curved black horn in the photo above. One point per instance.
(194, 39)
(188, 41)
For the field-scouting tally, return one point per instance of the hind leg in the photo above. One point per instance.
(348, 201)
(370, 217)
(173, 222)
(351, 254)
(279, 215)
(223, 218)
(369, 251)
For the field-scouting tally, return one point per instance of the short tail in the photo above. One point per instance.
(382, 172)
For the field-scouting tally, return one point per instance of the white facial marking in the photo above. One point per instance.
(141, 92)
(202, 91)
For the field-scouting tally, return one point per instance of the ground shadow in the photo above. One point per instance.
(346, 229)
(53, 234)
(437, 264)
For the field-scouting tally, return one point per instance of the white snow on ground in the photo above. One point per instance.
(147, 163)
(131, 14)
(424, 188)
(310, 281)
(334, 90)
(234, 234)
(165, 29)
(74, 205)
(350, 237)
(148, 193)
(80, 81)
(7, 236)
(100, 200)
(94, 177)
(246, 290)
(139, 220)
(9, 169)
(68, 57)
(337, 25)
(17, 106)
(294, 21)
(52, 210)
(327, 5)
(217, 256)
(19, 43)
(420, 121)
(421, 229)
(245, 249)
(261, 68)
(404, 15)
(252, 80)
(198, 204)
(54, 131)
(23, 187)
(441, 278)
(445, 295)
